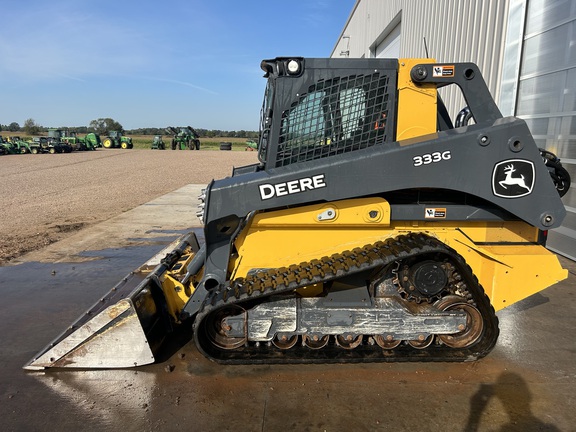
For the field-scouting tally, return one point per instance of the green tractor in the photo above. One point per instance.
(89, 142)
(158, 143)
(19, 145)
(55, 138)
(115, 139)
(185, 139)
(6, 147)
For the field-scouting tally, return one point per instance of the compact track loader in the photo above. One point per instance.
(372, 229)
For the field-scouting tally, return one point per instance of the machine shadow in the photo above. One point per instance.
(174, 342)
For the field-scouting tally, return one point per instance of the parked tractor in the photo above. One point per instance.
(13, 145)
(158, 143)
(6, 147)
(88, 142)
(55, 137)
(19, 145)
(115, 139)
(185, 139)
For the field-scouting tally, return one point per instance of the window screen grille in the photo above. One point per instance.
(336, 116)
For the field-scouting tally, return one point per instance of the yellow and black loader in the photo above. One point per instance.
(373, 228)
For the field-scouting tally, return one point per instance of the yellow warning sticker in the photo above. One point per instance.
(435, 213)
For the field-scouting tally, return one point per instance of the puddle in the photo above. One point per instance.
(39, 301)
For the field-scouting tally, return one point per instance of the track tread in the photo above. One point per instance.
(286, 279)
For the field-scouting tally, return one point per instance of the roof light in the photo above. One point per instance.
(293, 67)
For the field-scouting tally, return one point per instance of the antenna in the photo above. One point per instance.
(426, 47)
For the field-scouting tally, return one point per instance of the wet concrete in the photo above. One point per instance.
(527, 383)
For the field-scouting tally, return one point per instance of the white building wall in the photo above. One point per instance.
(546, 96)
(455, 31)
(526, 50)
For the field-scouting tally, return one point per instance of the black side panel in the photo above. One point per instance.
(473, 160)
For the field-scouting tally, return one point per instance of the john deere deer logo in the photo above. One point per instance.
(511, 181)
(513, 178)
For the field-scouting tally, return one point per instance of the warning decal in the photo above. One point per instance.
(435, 213)
(443, 71)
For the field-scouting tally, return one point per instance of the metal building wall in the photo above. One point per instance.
(547, 95)
(526, 50)
(455, 31)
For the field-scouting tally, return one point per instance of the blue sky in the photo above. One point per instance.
(153, 63)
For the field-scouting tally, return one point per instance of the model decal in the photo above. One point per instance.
(268, 191)
(429, 158)
(513, 178)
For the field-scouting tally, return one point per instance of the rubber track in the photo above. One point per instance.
(255, 288)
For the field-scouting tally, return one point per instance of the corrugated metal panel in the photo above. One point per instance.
(455, 31)
(547, 96)
(475, 30)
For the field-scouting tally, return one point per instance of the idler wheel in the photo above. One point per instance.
(216, 329)
(474, 322)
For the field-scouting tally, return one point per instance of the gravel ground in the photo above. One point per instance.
(47, 197)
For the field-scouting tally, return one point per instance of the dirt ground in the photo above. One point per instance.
(47, 197)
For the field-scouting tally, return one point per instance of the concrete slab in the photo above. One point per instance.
(527, 383)
(173, 213)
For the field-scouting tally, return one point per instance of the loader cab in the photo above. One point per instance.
(316, 108)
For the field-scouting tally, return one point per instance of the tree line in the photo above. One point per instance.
(104, 125)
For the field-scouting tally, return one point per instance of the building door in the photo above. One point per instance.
(390, 45)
